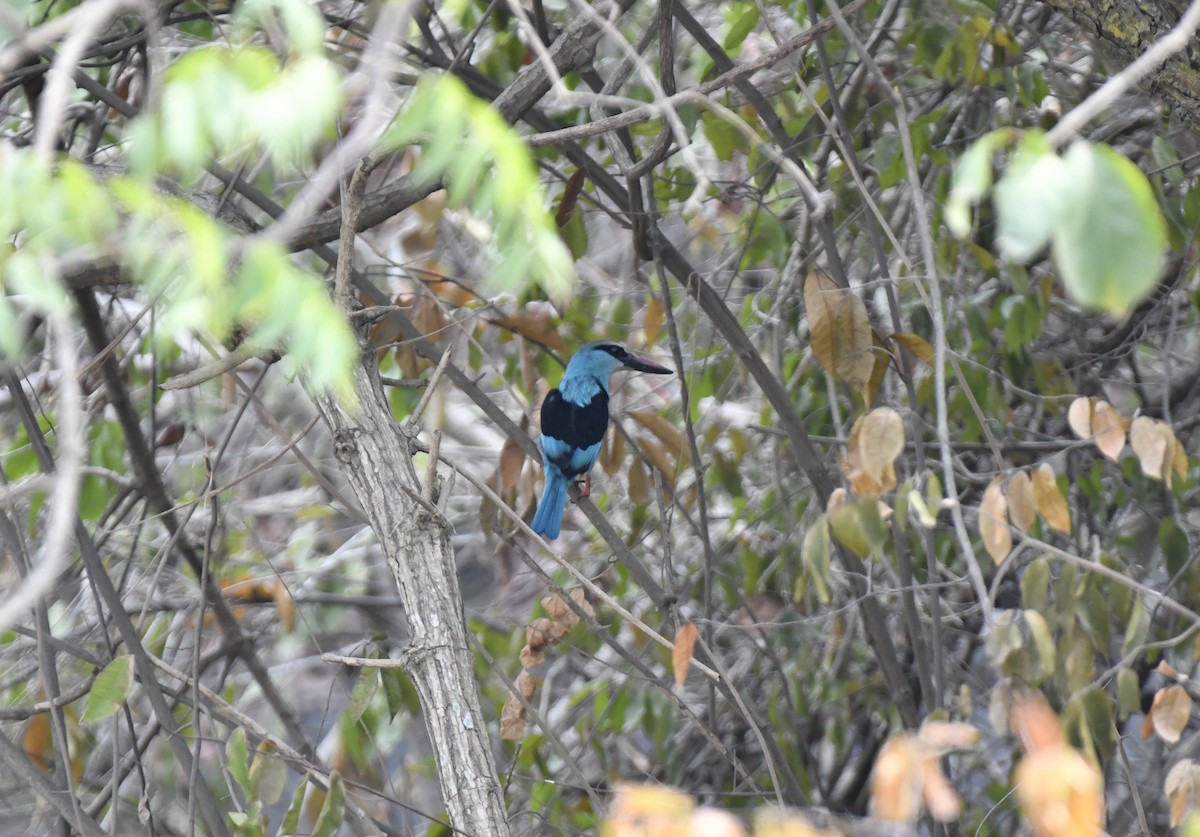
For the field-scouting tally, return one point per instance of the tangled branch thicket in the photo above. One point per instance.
(703, 160)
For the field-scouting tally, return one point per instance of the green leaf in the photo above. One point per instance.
(1174, 544)
(268, 774)
(110, 691)
(1111, 240)
(1031, 198)
(858, 526)
(237, 756)
(724, 138)
(330, 819)
(291, 818)
(742, 17)
(1129, 693)
(364, 690)
(1137, 628)
(815, 554)
(1035, 584)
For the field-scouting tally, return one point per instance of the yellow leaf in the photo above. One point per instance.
(1179, 460)
(1061, 793)
(1079, 417)
(648, 811)
(1022, 508)
(681, 653)
(1108, 430)
(1153, 444)
(839, 330)
(1170, 712)
(285, 605)
(880, 441)
(1050, 502)
(919, 346)
(993, 522)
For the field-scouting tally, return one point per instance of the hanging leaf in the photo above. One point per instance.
(839, 330)
(896, 781)
(815, 555)
(1170, 712)
(652, 322)
(1182, 788)
(1153, 444)
(668, 433)
(512, 460)
(1108, 430)
(880, 441)
(681, 652)
(1079, 417)
(639, 483)
(859, 527)
(570, 197)
(993, 521)
(1051, 504)
(1022, 507)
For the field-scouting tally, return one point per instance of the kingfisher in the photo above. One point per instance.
(574, 418)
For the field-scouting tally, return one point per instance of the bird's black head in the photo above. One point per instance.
(630, 360)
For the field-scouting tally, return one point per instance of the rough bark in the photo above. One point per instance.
(376, 456)
(1128, 29)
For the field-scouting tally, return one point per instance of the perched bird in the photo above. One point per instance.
(574, 418)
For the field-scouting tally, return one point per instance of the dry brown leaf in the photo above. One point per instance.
(652, 322)
(512, 719)
(1035, 723)
(1051, 504)
(512, 459)
(1182, 788)
(896, 781)
(993, 521)
(662, 463)
(1079, 417)
(612, 451)
(671, 436)
(1167, 670)
(1153, 444)
(939, 737)
(681, 652)
(539, 329)
(1170, 712)
(1108, 430)
(882, 361)
(1022, 507)
(570, 197)
(839, 330)
(639, 483)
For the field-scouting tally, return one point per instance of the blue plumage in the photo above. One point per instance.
(574, 418)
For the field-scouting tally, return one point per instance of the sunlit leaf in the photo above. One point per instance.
(993, 521)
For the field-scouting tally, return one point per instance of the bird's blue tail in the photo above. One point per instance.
(548, 519)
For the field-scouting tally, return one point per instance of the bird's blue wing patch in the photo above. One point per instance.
(583, 460)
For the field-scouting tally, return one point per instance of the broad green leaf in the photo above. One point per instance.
(1111, 240)
(1031, 198)
(742, 17)
(110, 690)
(859, 527)
(815, 554)
(268, 774)
(291, 818)
(330, 819)
(237, 756)
(972, 180)
(363, 691)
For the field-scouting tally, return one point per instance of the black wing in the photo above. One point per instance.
(573, 428)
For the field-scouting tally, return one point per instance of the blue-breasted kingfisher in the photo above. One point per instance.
(574, 418)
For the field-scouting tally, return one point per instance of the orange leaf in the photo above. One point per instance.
(652, 321)
(285, 605)
(1108, 430)
(839, 330)
(1050, 502)
(896, 781)
(1170, 712)
(940, 797)
(993, 522)
(681, 653)
(1061, 793)
(38, 742)
(1022, 507)
(648, 811)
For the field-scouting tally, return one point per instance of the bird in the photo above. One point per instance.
(574, 418)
